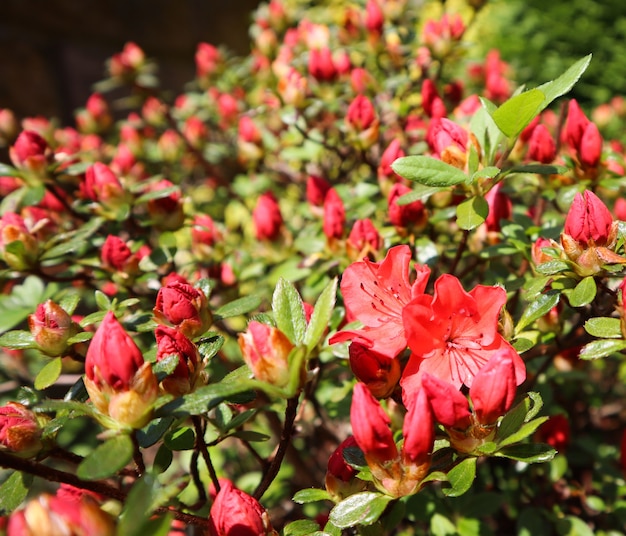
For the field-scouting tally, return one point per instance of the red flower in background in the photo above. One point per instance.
(375, 293)
(454, 333)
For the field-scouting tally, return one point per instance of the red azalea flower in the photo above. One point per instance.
(453, 334)
(375, 293)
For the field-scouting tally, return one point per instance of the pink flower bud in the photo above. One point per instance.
(370, 426)
(361, 80)
(575, 126)
(390, 155)
(187, 372)
(412, 214)
(204, 231)
(103, 186)
(321, 65)
(171, 146)
(378, 372)
(235, 513)
(316, 190)
(364, 236)
(126, 64)
(340, 476)
(493, 389)
(429, 95)
(540, 256)
(590, 150)
(449, 405)
(541, 145)
(500, 208)
(30, 152)
(115, 254)
(439, 36)
(184, 307)
(292, 88)
(207, 58)
(361, 114)
(20, 431)
(448, 141)
(265, 350)
(589, 222)
(419, 435)
(195, 131)
(374, 17)
(267, 218)
(334, 215)
(51, 327)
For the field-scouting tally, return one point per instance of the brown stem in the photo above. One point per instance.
(459, 252)
(285, 438)
(201, 445)
(195, 476)
(137, 456)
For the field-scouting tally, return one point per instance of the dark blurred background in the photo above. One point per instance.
(52, 51)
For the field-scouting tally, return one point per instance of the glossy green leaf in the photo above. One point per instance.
(517, 112)
(359, 509)
(102, 301)
(48, 374)
(301, 527)
(573, 526)
(149, 435)
(210, 345)
(604, 327)
(440, 525)
(311, 495)
(182, 438)
(289, 311)
(419, 193)
(526, 430)
(461, 477)
(13, 491)
(107, 458)
(537, 308)
(564, 83)
(539, 169)
(552, 267)
(251, 436)
(602, 348)
(488, 172)
(428, 171)
(238, 307)
(584, 292)
(18, 340)
(528, 452)
(135, 518)
(472, 212)
(513, 420)
(321, 315)
(485, 129)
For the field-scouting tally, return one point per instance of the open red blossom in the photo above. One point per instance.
(375, 293)
(454, 333)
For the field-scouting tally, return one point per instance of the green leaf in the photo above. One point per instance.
(584, 292)
(149, 435)
(601, 348)
(552, 267)
(238, 307)
(472, 212)
(604, 327)
(182, 438)
(485, 129)
(539, 169)
(138, 507)
(289, 311)
(18, 340)
(22, 301)
(102, 301)
(9, 171)
(513, 420)
(13, 491)
(461, 477)
(488, 172)
(359, 509)
(574, 526)
(428, 171)
(157, 194)
(537, 308)
(107, 458)
(210, 344)
(419, 193)
(166, 366)
(251, 436)
(321, 315)
(48, 374)
(535, 402)
(532, 522)
(526, 430)
(302, 527)
(528, 452)
(311, 495)
(440, 525)
(560, 86)
(517, 112)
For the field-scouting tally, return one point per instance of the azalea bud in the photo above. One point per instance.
(187, 373)
(378, 372)
(20, 432)
(166, 212)
(411, 214)
(292, 88)
(500, 208)
(539, 256)
(449, 405)
(195, 131)
(448, 141)
(267, 219)
(440, 36)
(30, 152)
(575, 125)
(265, 350)
(49, 515)
(249, 141)
(321, 65)
(362, 122)
(207, 59)
(51, 327)
(125, 65)
(541, 145)
(235, 513)
(316, 190)
(334, 215)
(419, 438)
(340, 476)
(115, 254)
(103, 186)
(374, 18)
(120, 384)
(8, 127)
(493, 389)
(364, 237)
(96, 116)
(589, 222)
(590, 150)
(429, 96)
(184, 307)
(171, 146)
(555, 432)
(361, 80)
(390, 155)
(204, 235)
(18, 246)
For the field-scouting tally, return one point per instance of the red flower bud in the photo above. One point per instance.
(575, 126)
(321, 65)
(374, 17)
(419, 434)
(378, 372)
(204, 231)
(493, 389)
(316, 190)
(541, 145)
(267, 218)
(115, 254)
(364, 236)
(340, 476)
(590, 150)
(51, 327)
(448, 141)
(361, 114)
(449, 405)
(589, 222)
(20, 432)
(184, 307)
(102, 185)
(555, 432)
(405, 215)
(265, 350)
(235, 513)
(125, 64)
(390, 155)
(207, 59)
(500, 208)
(334, 215)
(187, 372)
(166, 212)
(30, 152)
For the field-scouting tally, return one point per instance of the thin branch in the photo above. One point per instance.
(137, 456)
(201, 446)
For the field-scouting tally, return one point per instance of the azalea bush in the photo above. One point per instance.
(357, 282)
